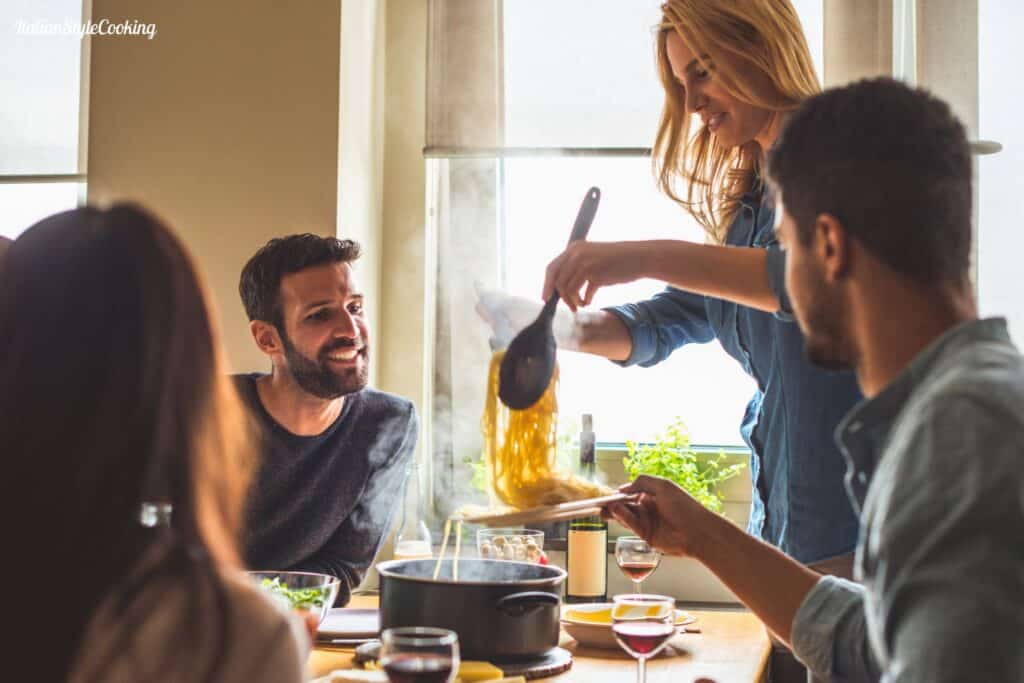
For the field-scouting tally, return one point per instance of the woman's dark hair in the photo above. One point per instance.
(892, 164)
(113, 394)
(260, 282)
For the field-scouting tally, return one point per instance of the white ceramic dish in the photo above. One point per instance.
(590, 624)
(350, 622)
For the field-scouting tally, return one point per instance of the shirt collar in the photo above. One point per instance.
(862, 434)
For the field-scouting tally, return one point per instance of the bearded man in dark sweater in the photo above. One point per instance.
(334, 453)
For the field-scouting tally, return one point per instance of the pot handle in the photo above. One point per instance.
(519, 604)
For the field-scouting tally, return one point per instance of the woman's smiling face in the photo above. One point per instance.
(731, 121)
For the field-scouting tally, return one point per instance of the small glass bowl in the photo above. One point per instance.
(520, 545)
(308, 594)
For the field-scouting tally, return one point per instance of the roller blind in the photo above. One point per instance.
(526, 76)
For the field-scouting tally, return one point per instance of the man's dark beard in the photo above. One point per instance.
(827, 356)
(318, 378)
(823, 336)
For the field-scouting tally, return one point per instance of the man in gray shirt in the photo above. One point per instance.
(873, 183)
(335, 453)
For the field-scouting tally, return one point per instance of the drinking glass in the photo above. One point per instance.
(417, 654)
(643, 625)
(636, 558)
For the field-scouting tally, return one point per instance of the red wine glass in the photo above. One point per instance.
(636, 558)
(417, 654)
(643, 625)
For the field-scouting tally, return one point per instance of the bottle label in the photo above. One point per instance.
(587, 560)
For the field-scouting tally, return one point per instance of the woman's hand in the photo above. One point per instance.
(594, 264)
(663, 514)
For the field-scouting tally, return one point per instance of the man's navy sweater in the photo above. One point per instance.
(324, 503)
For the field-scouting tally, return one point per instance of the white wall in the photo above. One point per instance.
(226, 124)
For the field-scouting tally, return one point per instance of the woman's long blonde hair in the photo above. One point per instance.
(767, 36)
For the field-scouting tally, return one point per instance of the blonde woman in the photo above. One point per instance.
(115, 402)
(731, 72)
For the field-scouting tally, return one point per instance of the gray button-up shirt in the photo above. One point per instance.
(936, 471)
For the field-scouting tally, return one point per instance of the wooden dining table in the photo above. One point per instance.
(731, 646)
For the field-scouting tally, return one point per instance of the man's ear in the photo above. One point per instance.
(266, 337)
(832, 246)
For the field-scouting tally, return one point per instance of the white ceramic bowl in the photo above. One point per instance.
(590, 624)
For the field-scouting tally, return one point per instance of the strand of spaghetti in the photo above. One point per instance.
(444, 547)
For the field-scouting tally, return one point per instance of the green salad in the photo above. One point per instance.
(299, 598)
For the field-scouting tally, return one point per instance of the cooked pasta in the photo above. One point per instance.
(519, 453)
(444, 548)
(519, 450)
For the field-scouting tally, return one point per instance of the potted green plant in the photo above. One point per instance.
(671, 456)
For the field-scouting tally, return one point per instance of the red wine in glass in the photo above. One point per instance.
(643, 638)
(418, 668)
(638, 571)
(642, 625)
(636, 558)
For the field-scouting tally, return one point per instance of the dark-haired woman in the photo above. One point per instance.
(115, 406)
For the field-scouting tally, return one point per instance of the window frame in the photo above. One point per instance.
(81, 178)
(440, 477)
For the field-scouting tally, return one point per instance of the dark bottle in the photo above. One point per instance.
(586, 556)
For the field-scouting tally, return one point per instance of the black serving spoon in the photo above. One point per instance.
(529, 361)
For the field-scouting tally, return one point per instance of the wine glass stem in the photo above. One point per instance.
(636, 586)
(641, 670)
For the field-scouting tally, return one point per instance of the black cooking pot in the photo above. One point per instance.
(501, 610)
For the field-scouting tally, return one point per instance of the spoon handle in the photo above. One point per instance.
(584, 217)
(548, 311)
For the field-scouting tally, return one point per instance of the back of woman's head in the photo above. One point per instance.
(751, 42)
(112, 395)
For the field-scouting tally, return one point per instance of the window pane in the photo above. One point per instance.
(23, 205)
(699, 383)
(577, 73)
(1001, 203)
(39, 88)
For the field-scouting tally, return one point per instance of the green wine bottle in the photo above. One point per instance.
(586, 557)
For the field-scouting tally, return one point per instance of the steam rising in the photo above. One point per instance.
(473, 571)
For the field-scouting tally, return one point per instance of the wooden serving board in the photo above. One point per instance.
(586, 507)
(554, 661)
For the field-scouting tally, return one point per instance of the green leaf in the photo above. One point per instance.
(671, 457)
(299, 598)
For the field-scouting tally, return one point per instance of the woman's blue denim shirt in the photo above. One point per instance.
(799, 502)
